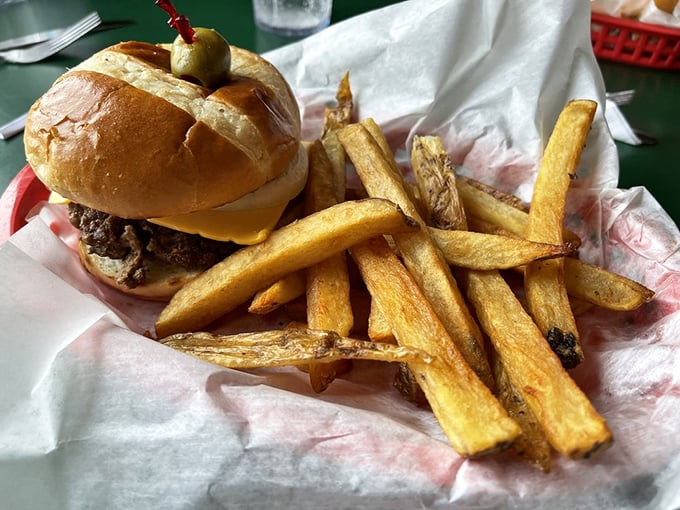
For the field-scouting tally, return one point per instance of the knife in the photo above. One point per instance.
(38, 37)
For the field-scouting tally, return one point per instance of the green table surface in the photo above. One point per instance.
(655, 109)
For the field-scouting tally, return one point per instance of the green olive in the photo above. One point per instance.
(205, 61)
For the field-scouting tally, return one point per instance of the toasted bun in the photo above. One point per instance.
(161, 283)
(119, 133)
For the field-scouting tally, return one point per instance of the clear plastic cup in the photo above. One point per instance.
(292, 17)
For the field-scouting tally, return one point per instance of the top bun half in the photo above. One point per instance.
(119, 133)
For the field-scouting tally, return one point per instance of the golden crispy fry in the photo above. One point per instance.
(301, 244)
(594, 285)
(379, 137)
(283, 291)
(546, 294)
(334, 119)
(579, 307)
(485, 206)
(473, 420)
(484, 227)
(440, 204)
(548, 302)
(336, 155)
(488, 251)
(422, 257)
(558, 166)
(603, 288)
(531, 445)
(328, 299)
(497, 194)
(437, 183)
(587, 282)
(328, 307)
(321, 191)
(571, 424)
(290, 346)
(379, 329)
(340, 116)
(493, 207)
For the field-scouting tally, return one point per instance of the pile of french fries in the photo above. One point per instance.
(441, 259)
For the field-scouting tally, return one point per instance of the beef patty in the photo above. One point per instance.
(135, 242)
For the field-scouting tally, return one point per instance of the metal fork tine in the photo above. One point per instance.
(76, 31)
(68, 37)
(44, 50)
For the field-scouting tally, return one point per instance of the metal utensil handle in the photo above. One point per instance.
(13, 127)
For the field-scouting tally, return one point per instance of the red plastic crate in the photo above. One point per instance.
(633, 42)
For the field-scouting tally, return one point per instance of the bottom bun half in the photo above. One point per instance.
(162, 280)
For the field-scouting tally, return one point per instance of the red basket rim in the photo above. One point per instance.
(23, 193)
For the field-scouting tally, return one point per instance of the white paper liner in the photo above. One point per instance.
(97, 416)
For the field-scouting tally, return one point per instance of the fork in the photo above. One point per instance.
(41, 51)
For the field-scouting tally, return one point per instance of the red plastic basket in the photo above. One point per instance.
(633, 42)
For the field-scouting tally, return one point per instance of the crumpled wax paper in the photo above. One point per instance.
(96, 415)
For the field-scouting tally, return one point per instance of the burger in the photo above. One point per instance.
(165, 173)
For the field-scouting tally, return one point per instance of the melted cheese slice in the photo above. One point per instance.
(248, 220)
(56, 198)
(251, 218)
(241, 227)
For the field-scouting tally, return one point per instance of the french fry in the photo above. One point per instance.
(328, 307)
(493, 207)
(603, 288)
(283, 291)
(475, 250)
(597, 286)
(420, 254)
(532, 445)
(437, 184)
(558, 166)
(328, 287)
(546, 294)
(459, 399)
(438, 200)
(334, 119)
(301, 244)
(340, 116)
(497, 194)
(487, 207)
(379, 329)
(548, 302)
(290, 346)
(586, 282)
(378, 137)
(571, 424)
(328, 281)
